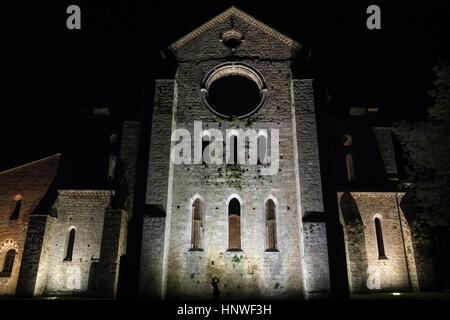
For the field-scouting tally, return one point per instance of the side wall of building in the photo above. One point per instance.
(309, 193)
(368, 271)
(113, 246)
(152, 257)
(26, 184)
(84, 211)
(153, 250)
(35, 262)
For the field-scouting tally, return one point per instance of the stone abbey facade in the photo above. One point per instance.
(263, 235)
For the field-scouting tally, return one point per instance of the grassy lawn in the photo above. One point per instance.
(366, 296)
(403, 296)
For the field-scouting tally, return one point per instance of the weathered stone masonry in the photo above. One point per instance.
(29, 184)
(73, 245)
(100, 220)
(300, 267)
(397, 271)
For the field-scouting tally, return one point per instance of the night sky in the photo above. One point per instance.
(51, 73)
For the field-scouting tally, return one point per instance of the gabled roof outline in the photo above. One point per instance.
(58, 155)
(244, 16)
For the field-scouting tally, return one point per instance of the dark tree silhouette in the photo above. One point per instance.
(427, 150)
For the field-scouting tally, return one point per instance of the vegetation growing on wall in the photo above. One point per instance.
(234, 174)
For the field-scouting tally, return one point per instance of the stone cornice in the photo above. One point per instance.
(238, 13)
(86, 192)
(374, 194)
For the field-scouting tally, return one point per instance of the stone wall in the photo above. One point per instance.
(34, 268)
(355, 242)
(397, 271)
(386, 147)
(83, 210)
(410, 250)
(154, 226)
(28, 183)
(113, 246)
(252, 272)
(309, 192)
(158, 168)
(150, 277)
(129, 145)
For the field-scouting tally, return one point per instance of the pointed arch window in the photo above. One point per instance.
(262, 150)
(271, 226)
(197, 225)
(234, 149)
(205, 143)
(70, 245)
(234, 224)
(380, 243)
(8, 264)
(16, 212)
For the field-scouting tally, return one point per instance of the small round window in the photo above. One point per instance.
(232, 39)
(233, 90)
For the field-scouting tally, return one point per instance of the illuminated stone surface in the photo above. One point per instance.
(31, 182)
(170, 266)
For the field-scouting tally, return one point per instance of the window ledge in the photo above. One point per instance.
(234, 250)
(382, 258)
(196, 249)
(271, 250)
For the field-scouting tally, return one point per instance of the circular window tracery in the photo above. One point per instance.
(233, 90)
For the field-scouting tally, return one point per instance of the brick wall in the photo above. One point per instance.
(30, 183)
